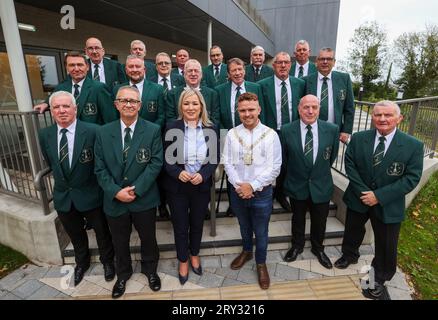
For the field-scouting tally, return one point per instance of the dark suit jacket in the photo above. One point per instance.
(343, 98)
(397, 175)
(301, 180)
(145, 159)
(269, 101)
(224, 95)
(312, 69)
(176, 71)
(175, 79)
(95, 103)
(114, 72)
(153, 106)
(80, 187)
(265, 72)
(208, 76)
(210, 97)
(170, 180)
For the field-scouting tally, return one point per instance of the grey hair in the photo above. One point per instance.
(195, 62)
(328, 49)
(164, 54)
(62, 93)
(282, 53)
(303, 42)
(133, 56)
(140, 42)
(257, 48)
(128, 88)
(388, 103)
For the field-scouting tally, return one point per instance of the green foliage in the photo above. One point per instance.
(418, 243)
(10, 260)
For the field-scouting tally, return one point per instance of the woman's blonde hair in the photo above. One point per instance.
(187, 92)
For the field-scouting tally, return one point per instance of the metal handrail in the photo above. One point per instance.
(41, 186)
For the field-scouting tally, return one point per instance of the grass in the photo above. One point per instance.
(10, 260)
(418, 244)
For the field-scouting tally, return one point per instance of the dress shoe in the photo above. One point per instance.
(119, 288)
(229, 212)
(79, 274)
(154, 282)
(182, 279)
(292, 254)
(240, 260)
(164, 213)
(87, 225)
(197, 270)
(343, 262)
(263, 275)
(109, 271)
(283, 203)
(323, 259)
(380, 292)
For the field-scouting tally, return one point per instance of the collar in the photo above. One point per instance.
(321, 77)
(71, 128)
(199, 125)
(234, 86)
(304, 126)
(99, 64)
(303, 65)
(161, 77)
(80, 83)
(388, 136)
(140, 84)
(278, 81)
(132, 126)
(256, 128)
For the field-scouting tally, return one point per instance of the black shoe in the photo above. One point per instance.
(380, 292)
(323, 259)
(79, 274)
(119, 289)
(292, 254)
(154, 282)
(197, 270)
(109, 271)
(87, 225)
(229, 212)
(164, 213)
(343, 262)
(283, 203)
(183, 279)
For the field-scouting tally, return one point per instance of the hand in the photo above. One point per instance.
(196, 179)
(184, 176)
(344, 137)
(369, 198)
(244, 190)
(41, 107)
(126, 195)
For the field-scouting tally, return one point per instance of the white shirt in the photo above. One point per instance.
(101, 71)
(305, 69)
(278, 86)
(266, 156)
(169, 83)
(123, 126)
(181, 71)
(80, 83)
(71, 129)
(331, 111)
(388, 140)
(315, 137)
(233, 98)
(139, 86)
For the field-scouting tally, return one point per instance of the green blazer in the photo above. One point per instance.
(312, 68)
(210, 97)
(175, 79)
(145, 159)
(265, 72)
(270, 107)
(80, 187)
(153, 106)
(114, 72)
(208, 76)
(343, 98)
(176, 72)
(95, 103)
(397, 175)
(301, 180)
(224, 94)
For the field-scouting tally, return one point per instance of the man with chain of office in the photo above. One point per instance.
(252, 161)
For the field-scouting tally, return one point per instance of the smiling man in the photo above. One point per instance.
(383, 165)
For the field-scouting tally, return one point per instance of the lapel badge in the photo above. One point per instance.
(90, 109)
(342, 94)
(143, 155)
(396, 169)
(86, 155)
(327, 153)
(152, 106)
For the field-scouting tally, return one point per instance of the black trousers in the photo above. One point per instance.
(121, 228)
(73, 223)
(385, 238)
(188, 209)
(318, 220)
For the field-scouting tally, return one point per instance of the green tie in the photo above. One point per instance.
(257, 74)
(96, 73)
(216, 73)
(323, 114)
(63, 154)
(308, 146)
(285, 116)
(165, 87)
(76, 92)
(126, 144)
(301, 72)
(379, 152)
(236, 113)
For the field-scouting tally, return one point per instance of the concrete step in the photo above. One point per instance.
(227, 240)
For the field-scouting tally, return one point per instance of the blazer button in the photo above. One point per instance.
(125, 178)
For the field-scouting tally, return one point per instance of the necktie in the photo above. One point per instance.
(285, 116)
(236, 113)
(257, 74)
(182, 73)
(76, 92)
(323, 115)
(96, 73)
(126, 144)
(216, 73)
(63, 154)
(134, 86)
(301, 72)
(379, 152)
(165, 87)
(308, 146)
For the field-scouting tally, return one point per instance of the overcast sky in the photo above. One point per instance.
(396, 16)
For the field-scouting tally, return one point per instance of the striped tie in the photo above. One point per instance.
(236, 113)
(301, 72)
(323, 114)
(96, 73)
(285, 116)
(216, 73)
(126, 144)
(165, 86)
(379, 152)
(308, 146)
(63, 153)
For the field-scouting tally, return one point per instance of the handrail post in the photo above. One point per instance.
(434, 141)
(413, 121)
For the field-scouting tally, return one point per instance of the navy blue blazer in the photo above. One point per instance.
(170, 181)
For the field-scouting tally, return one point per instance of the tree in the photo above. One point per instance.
(367, 53)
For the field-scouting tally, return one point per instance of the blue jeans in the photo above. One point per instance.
(253, 215)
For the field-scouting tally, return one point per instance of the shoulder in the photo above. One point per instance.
(408, 139)
(222, 87)
(266, 81)
(328, 125)
(252, 85)
(148, 125)
(296, 81)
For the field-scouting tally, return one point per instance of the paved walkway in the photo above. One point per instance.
(302, 279)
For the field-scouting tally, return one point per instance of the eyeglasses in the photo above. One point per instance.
(163, 63)
(326, 59)
(125, 102)
(94, 48)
